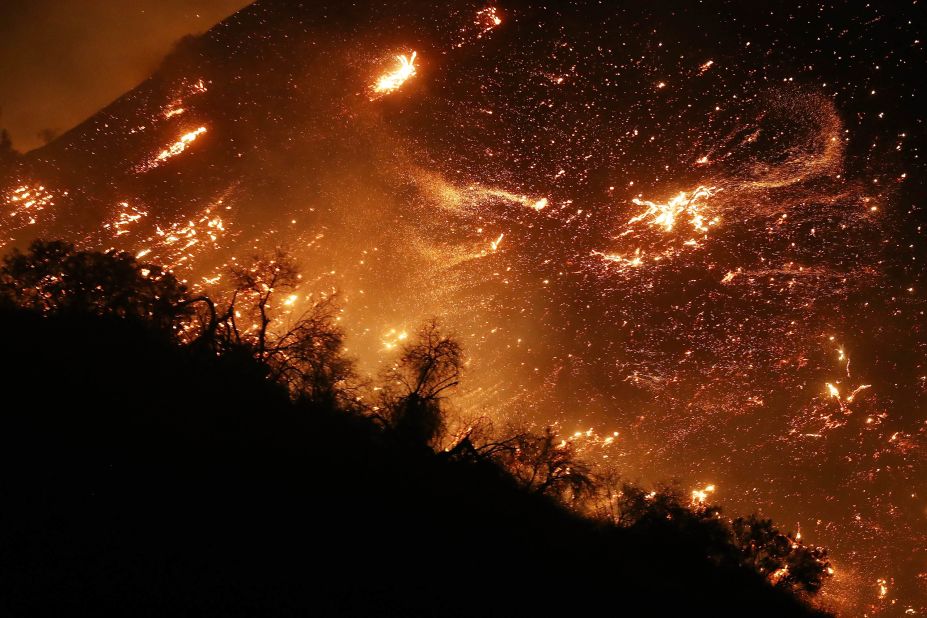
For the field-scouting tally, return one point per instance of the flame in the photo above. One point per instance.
(180, 145)
(666, 215)
(699, 496)
(393, 80)
(173, 150)
(393, 338)
(882, 583)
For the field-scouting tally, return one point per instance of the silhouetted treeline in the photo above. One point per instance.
(166, 454)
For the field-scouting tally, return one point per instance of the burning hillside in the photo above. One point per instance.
(633, 226)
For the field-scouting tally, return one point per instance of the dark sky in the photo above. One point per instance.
(65, 59)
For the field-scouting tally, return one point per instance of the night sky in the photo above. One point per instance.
(64, 60)
(696, 224)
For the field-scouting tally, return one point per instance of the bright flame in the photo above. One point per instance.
(180, 145)
(173, 150)
(883, 587)
(395, 79)
(699, 496)
(393, 338)
(666, 215)
(857, 390)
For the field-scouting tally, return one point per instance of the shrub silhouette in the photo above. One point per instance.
(788, 562)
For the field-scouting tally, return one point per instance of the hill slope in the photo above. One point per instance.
(143, 480)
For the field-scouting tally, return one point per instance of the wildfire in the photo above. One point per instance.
(24, 203)
(392, 81)
(174, 149)
(699, 496)
(666, 215)
(393, 338)
(487, 19)
(882, 583)
(26, 199)
(126, 216)
(180, 145)
(614, 258)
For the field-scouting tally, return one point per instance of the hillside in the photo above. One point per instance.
(144, 480)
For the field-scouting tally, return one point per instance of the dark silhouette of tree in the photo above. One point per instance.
(48, 135)
(546, 464)
(309, 358)
(751, 542)
(54, 277)
(7, 153)
(428, 367)
(783, 558)
(541, 463)
(255, 284)
(668, 510)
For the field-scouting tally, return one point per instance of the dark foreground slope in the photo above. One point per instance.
(140, 480)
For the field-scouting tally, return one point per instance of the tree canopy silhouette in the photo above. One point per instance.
(54, 277)
(428, 367)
